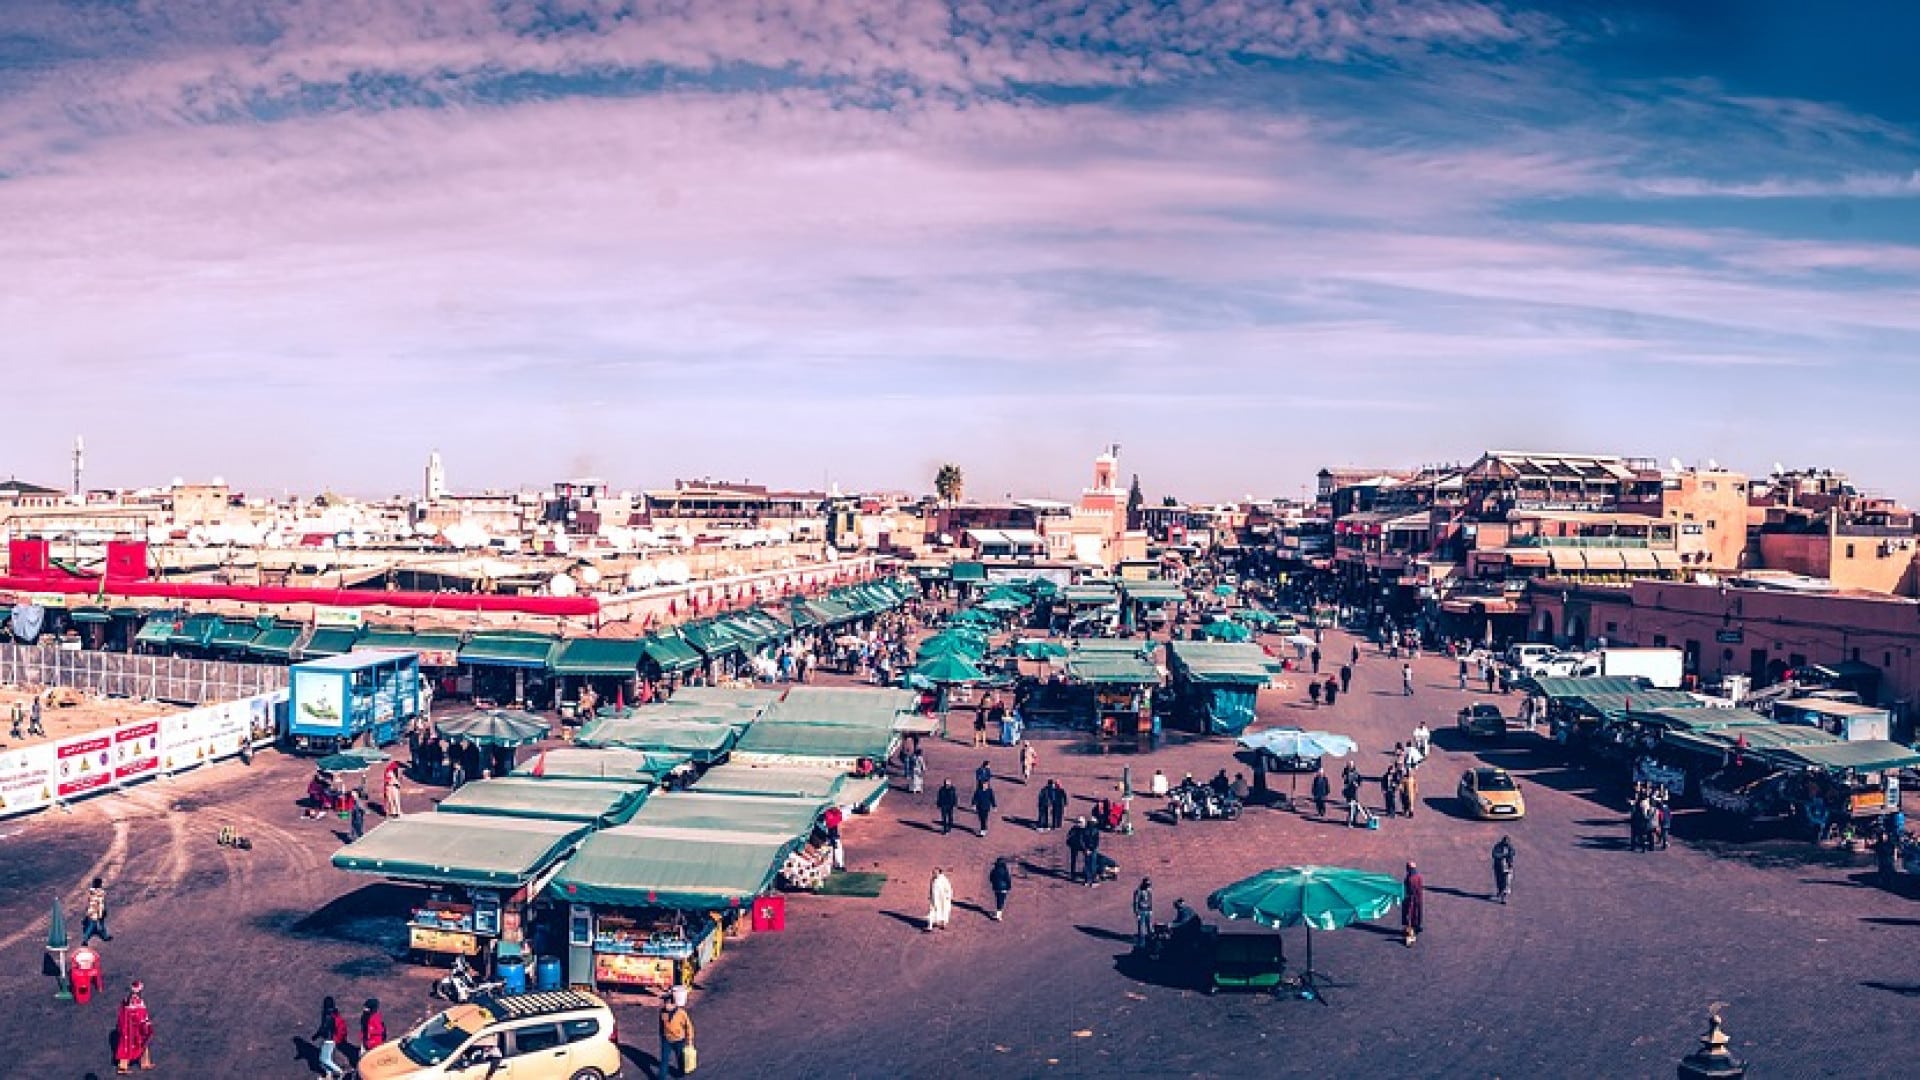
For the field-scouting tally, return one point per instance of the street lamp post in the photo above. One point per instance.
(1711, 1061)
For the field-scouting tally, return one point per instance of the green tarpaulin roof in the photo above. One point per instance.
(507, 650)
(1153, 592)
(157, 630)
(597, 656)
(89, 615)
(606, 763)
(276, 642)
(839, 706)
(749, 699)
(195, 630)
(1112, 668)
(1621, 704)
(831, 742)
(1573, 688)
(968, 571)
(1089, 594)
(702, 741)
(765, 814)
(1696, 719)
(586, 801)
(791, 782)
(408, 641)
(670, 653)
(714, 639)
(329, 641)
(1125, 646)
(1219, 662)
(1869, 755)
(461, 849)
(232, 634)
(636, 866)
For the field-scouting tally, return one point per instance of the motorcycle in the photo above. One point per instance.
(462, 984)
(1201, 803)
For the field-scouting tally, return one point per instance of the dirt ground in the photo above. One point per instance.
(1604, 965)
(65, 712)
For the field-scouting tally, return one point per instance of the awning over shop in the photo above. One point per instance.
(843, 706)
(791, 782)
(605, 763)
(1639, 559)
(598, 656)
(1866, 756)
(435, 648)
(1528, 558)
(329, 641)
(232, 635)
(767, 814)
(1569, 560)
(638, 866)
(1089, 595)
(507, 650)
(964, 572)
(714, 639)
(1220, 662)
(275, 642)
(669, 653)
(589, 802)
(194, 630)
(698, 740)
(766, 742)
(89, 615)
(461, 849)
(1153, 592)
(1559, 689)
(1112, 669)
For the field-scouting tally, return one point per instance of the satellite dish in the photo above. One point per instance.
(589, 575)
(1677, 467)
(1778, 468)
(562, 585)
(1712, 464)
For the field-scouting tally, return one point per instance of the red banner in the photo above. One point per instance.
(86, 763)
(136, 750)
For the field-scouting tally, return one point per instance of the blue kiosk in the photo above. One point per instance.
(334, 701)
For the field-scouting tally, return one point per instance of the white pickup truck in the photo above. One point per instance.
(1664, 668)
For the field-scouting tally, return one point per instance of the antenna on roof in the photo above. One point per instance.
(79, 462)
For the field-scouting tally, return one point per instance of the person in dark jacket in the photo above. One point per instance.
(1090, 865)
(947, 801)
(1413, 905)
(1059, 804)
(1346, 678)
(1322, 790)
(1502, 869)
(1330, 690)
(983, 804)
(1000, 880)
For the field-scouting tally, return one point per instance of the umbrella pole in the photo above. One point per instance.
(1309, 979)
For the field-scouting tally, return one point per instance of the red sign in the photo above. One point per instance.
(136, 750)
(86, 763)
(770, 914)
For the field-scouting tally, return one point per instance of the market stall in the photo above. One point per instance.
(603, 763)
(700, 741)
(1216, 684)
(589, 802)
(1118, 689)
(479, 875)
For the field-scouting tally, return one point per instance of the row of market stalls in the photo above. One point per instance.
(501, 664)
(1817, 762)
(630, 858)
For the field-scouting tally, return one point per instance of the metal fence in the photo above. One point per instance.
(164, 678)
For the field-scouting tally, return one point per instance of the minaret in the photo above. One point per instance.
(436, 478)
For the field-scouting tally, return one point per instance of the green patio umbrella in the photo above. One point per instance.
(1223, 590)
(493, 727)
(951, 645)
(354, 760)
(1039, 650)
(949, 669)
(1316, 897)
(975, 617)
(1226, 630)
(1000, 607)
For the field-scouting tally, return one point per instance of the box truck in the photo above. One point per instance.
(1664, 668)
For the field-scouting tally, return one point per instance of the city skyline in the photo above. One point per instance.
(301, 246)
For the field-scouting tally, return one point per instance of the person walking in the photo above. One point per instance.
(1322, 788)
(1043, 807)
(939, 901)
(1493, 675)
(947, 800)
(1463, 673)
(1346, 678)
(1422, 738)
(1390, 790)
(1090, 860)
(1059, 804)
(983, 775)
(390, 790)
(329, 1035)
(95, 919)
(916, 772)
(356, 814)
(1412, 905)
(1315, 657)
(1143, 913)
(1663, 817)
(1350, 791)
(1355, 659)
(1313, 690)
(676, 1038)
(133, 1031)
(1076, 847)
(980, 726)
(1409, 789)
(1029, 759)
(1503, 869)
(831, 822)
(983, 804)
(1330, 690)
(1406, 680)
(1000, 880)
(373, 1025)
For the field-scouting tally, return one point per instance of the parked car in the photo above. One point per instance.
(1524, 656)
(1488, 793)
(1481, 720)
(562, 1035)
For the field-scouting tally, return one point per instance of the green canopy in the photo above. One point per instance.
(605, 763)
(329, 641)
(1112, 669)
(968, 571)
(1226, 630)
(702, 741)
(89, 615)
(1220, 662)
(1033, 649)
(949, 669)
(1000, 607)
(507, 650)
(691, 869)
(785, 743)
(461, 849)
(1867, 756)
(766, 814)
(844, 706)
(195, 630)
(276, 642)
(975, 617)
(670, 653)
(793, 782)
(492, 727)
(1316, 897)
(157, 630)
(590, 802)
(597, 656)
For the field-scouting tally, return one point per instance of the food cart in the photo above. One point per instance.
(479, 874)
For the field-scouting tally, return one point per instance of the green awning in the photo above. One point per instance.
(276, 643)
(1219, 662)
(194, 630)
(1559, 689)
(126, 613)
(598, 656)
(702, 741)
(670, 654)
(1869, 755)
(766, 742)
(789, 782)
(1113, 669)
(589, 802)
(604, 764)
(157, 630)
(232, 635)
(638, 866)
(969, 571)
(765, 814)
(437, 643)
(330, 641)
(507, 650)
(89, 615)
(843, 706)
(461, 849)
(1153, 592)
(713, 639)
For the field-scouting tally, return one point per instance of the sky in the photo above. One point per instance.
(298, 244)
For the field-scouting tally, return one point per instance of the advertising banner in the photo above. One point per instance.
(26, 779)
(136, 751)
(85, 764)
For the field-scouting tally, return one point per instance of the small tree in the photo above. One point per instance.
(1135, 500)
(1168, 500)
(949, 483)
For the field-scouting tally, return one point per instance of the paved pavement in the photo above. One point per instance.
(1603, 965)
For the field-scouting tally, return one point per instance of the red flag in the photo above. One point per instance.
(540, 766)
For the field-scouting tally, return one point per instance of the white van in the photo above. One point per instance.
(1525, 656)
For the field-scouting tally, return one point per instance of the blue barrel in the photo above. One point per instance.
(513, 974)
(547, 973)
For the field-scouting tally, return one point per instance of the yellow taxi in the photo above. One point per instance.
(1488, 794)
(561, 1035)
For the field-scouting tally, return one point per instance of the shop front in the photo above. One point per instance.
(503, 668)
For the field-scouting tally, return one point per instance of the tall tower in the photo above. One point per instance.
(1106, 470)
(79, 462)
(436, 478)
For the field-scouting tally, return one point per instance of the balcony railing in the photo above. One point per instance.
(1633, 542)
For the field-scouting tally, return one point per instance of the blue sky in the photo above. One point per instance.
(298, 245)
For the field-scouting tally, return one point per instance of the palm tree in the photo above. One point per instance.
(949, 483)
